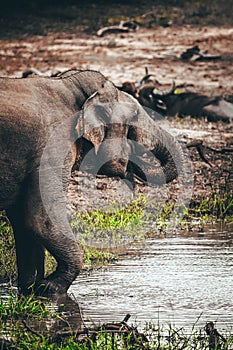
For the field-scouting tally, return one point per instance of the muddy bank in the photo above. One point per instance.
(124, 57)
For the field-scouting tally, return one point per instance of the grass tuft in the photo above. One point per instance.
(112, 227)
(7, 251)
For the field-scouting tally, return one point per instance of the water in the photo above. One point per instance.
(176, 280)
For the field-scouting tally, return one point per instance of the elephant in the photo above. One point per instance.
(94, 117)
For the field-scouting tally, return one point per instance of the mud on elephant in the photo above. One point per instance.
(75, 114)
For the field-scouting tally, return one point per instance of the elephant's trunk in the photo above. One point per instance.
(154, 175)
(114, 168)
(166, 156)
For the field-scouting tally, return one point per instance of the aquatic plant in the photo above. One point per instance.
(216, 206)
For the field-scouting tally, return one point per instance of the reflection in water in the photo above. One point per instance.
(171, 280)
(71, 317)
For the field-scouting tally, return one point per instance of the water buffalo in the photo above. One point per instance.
(185, 104)
(171, 103)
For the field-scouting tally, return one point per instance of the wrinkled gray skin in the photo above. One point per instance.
(30, 109)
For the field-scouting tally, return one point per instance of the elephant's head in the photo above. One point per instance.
(117, 137)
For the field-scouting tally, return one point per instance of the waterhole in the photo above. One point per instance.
(176, 280)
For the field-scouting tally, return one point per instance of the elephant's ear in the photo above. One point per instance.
(95, 114)
(90, 124)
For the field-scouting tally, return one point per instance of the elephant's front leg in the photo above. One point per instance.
(63, 246)
(48, 221)
(29, 252)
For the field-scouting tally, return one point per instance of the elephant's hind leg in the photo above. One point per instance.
(29, 252)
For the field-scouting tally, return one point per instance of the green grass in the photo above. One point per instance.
(22, 307)
(112, 227)
(7, 251)
(215, 206)
(96, 257)
(15, 314)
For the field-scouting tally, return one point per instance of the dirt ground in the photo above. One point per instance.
(50, 45)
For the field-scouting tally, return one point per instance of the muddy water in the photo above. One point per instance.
(168, 280)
